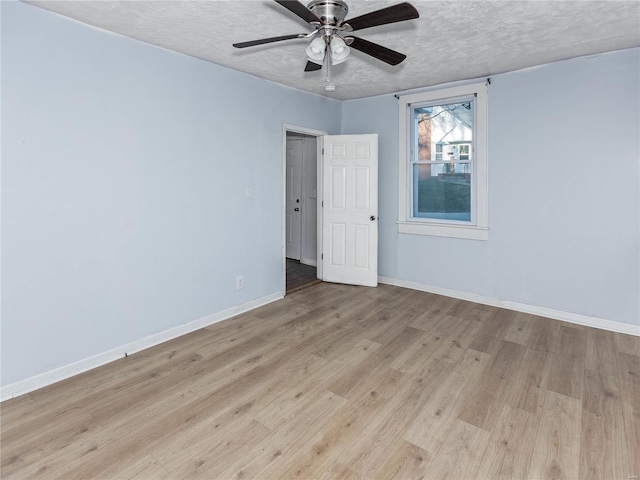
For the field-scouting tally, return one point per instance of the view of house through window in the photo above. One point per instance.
(442, 160)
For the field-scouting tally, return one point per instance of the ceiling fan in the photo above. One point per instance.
(331, 33)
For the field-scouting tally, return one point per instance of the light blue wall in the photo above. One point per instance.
(564, 187)
(124, 169)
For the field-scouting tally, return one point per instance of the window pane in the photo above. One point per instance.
(444, 129)
(442, 191)
(443, 133)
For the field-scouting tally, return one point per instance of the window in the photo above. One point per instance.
(443, 162)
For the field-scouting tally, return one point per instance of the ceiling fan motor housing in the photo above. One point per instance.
(331, 12)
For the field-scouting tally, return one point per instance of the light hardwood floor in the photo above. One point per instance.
(345, 382)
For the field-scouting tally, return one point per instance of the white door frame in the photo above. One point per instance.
(314, 133)
(294, 188)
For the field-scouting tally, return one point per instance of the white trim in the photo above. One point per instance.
(479, 230)
(320, 206)
(61, 373)
(569, 317)
(443, 230)
(319, 134)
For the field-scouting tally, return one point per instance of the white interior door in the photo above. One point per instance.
(350, 209)
(293, 195)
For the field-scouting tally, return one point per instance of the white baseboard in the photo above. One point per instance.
(47, 378)
(569, 317)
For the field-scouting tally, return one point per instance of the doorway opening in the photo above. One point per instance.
(301, 208)
(300, 276)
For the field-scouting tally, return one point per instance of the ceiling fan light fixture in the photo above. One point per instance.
(339, 50)
(316, 50)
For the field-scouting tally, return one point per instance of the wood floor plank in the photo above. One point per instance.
(336, 381)
(246, 408)
(571, 342)
(366, 324)
(627, 344)
(488, 337)
(405, 461)
(85, 386)
(510, 447)
(345, 428)
(388, 331)
(84, 447)
(159, 428)
(457, 340)
(286, 345)
(186, 451)
(218, 341)
(297, 397)
(557, 446)
(339, 472)
(528, 390)
(17, 411)
(520, 329)
(484, 407)
(145, 468)
(446, 334)
(344, 385)
(366, 456)
(601, 384)
(460, 454)
(629, 381)
(603, 445)
(567, 370)
(209, 458)
(291, 383)
(433, 422)
(462, 309)
(544, 334)
(135, 392)
(412, 357)
(267, 456)
(432, 312)
(47, 437)
(600, 352)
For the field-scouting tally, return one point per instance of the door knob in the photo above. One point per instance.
(296, 209)
(372, 218)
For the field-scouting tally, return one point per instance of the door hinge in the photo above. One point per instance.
(322, 256)
(322, 203)
(322, 150)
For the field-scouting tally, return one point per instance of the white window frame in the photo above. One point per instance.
(478, 228)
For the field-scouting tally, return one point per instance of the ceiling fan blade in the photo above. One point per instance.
(377, 51)
(253, 43)
(395, 13)
(300, 10)
(312, 67)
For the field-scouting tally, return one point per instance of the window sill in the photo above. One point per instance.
(451, 231)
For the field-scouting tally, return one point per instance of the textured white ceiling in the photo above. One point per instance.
(452, 39)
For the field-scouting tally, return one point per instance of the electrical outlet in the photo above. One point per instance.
(239, 282)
